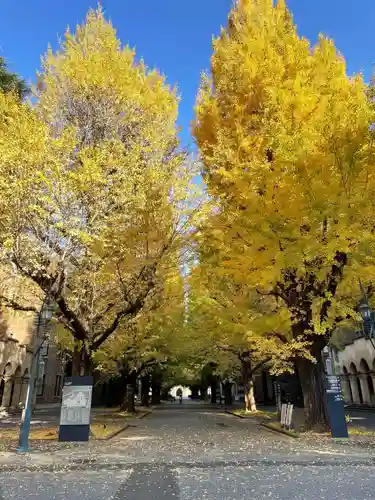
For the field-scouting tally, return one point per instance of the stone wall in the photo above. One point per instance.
(356, 366)
(15, 360)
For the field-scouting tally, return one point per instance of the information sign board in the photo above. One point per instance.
(76, 409)
(336, 409)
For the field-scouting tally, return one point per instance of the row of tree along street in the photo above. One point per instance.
(101, 212)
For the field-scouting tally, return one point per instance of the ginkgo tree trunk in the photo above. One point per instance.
(286, 141)
(97, 192)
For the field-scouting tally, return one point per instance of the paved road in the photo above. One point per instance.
(196, 483)
(192, 452)
(362, 418)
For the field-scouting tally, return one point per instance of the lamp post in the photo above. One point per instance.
(367, 319)
(366, 314)
(44, 316)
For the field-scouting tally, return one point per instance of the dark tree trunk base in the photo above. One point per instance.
(228, 399)
(250, 404)
(195, 392)
(203, 395)
(247, 375)
(128, 402)
(213, 392)
(155, 397)
(145, 387)
(312, 378)
(81, 362)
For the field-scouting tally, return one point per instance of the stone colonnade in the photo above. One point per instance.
(358, 386)
(13, 388)
(356, 366)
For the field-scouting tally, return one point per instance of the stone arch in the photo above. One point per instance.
(357, 386)
(6, 385)
(18, 371)
(2, 387)
(7, 372)
(353, 369)
(23, 389)
(366, 383)
(346, 386)
(363, 366)
(16, 387)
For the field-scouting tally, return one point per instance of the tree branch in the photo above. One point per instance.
(99, 317)
(147, 276)
(259, 365)
(333, 279)
(232, 350)
(12, 304)
(127, 311)
(75, 325)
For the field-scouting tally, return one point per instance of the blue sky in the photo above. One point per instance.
(175, 36)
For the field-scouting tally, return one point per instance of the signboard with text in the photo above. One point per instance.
(336, 409)
(76, 409)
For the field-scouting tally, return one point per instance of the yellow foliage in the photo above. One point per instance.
(229, 320)
(96, 199)
(287, 150)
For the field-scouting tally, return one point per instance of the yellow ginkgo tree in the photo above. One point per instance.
(148, 342)
(285, 137)
(98, 193)
(241, 331)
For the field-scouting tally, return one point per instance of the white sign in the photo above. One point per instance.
(44, 349)
(76, 405)
(286, 415)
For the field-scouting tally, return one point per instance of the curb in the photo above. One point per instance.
(361, 409)
(235, 414)
(114, 434)
(85, 464)
(126, 426)
(119, 431)
(144, 415)
(280, 430)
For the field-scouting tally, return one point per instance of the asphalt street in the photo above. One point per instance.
(192, 483)
(193, 452)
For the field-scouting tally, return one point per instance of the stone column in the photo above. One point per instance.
(24, 386)
(16, 393)
(345, 386)
(354, 388)
(7, 392)
(365, 389)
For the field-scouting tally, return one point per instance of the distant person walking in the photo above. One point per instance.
(179, 395)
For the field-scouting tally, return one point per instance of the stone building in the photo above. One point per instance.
(355, 361)
(16, 338)
(356, 366)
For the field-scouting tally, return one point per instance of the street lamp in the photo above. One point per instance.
(367, 319)
(44, 316)
(365, 310)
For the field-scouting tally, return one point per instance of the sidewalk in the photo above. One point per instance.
(104, 456)
(49, 406)
(61, 456)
